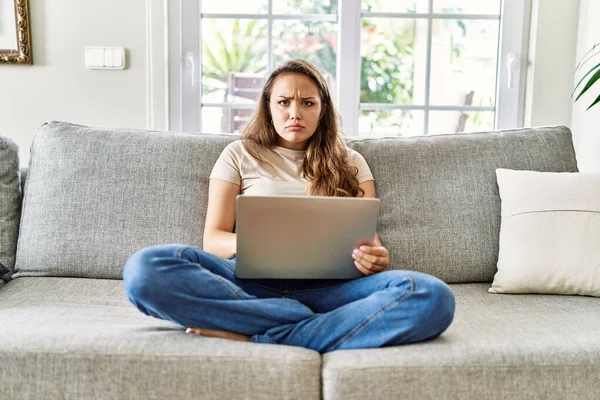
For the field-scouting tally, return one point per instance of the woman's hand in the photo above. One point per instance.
(371, 258)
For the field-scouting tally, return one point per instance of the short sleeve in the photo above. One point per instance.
(227, 167)
(364, 172)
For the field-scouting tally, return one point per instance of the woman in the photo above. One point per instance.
(291, 146)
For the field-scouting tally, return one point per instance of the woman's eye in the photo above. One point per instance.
(308, 103)
(283, 102)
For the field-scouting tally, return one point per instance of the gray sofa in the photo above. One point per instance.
(94, 196)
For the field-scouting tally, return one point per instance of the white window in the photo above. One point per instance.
(397, 67)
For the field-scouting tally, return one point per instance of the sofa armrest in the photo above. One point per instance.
(24, 171)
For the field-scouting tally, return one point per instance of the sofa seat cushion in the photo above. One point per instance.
(498, 347)
(73, 338)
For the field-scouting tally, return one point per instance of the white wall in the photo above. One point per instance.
(586, 124)
(58, 86)
(552, 44)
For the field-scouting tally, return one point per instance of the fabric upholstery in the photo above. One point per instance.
(440, 203)
(498, 347)
(73, 338)
(550, 233)
(94, 196)
(10, 206)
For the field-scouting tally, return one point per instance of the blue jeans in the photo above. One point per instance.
(193, 288)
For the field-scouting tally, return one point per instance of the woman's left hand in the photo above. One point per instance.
(370, 258)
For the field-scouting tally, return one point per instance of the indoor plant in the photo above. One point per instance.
(591, 56)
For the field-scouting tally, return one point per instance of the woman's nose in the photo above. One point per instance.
(294, 111)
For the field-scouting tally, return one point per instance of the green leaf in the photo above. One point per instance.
(249, 28)
(222, 52)
(212, 75)
(583, 77)
(235, 39)
(462, 26)
(592, 80)
(212, 60)
(587, 56)
(594, 103)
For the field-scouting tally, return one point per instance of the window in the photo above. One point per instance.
(238, 50)
(396, 67)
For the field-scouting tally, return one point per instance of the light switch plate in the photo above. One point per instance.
(104, 57)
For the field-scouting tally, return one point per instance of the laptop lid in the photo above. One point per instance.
(302, 237)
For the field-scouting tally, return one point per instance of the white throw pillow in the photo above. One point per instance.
(549, 233)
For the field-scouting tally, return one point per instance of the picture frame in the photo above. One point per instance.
(22, 53)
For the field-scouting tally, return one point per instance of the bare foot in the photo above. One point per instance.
(219, 334)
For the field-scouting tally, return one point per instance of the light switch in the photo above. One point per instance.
(94, 57)
(119, 58)
(105, 57)
(108, 57)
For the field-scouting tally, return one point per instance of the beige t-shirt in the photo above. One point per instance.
(280, 175)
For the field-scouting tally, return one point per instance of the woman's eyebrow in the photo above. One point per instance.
(303, 98)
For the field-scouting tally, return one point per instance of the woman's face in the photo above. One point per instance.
(295, 107)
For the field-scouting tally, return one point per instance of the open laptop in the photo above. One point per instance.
(302, 237)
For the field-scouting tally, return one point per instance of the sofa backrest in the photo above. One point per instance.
(439, 195)
(94, 196)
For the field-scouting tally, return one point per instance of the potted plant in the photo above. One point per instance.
(591, 57)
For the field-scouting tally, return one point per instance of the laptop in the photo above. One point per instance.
(302, 237)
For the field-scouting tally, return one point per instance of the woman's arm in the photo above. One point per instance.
(219, 238)
(374, 258)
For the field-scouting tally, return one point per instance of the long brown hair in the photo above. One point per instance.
(326, 165)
